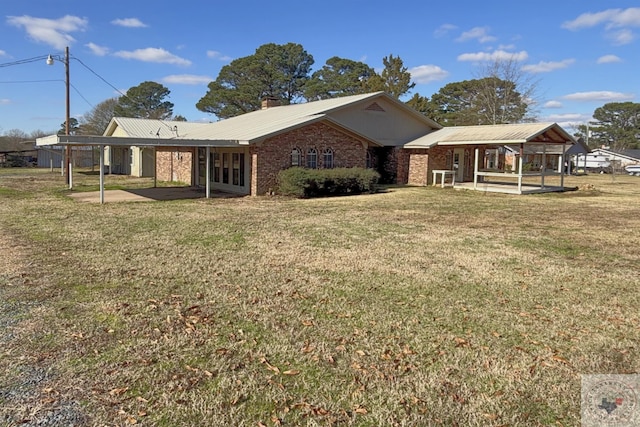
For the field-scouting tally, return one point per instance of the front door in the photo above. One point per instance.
(458, 163)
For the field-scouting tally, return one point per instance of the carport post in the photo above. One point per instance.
(544, 164)
(101, 174)
(207, 173)
(475, 170)
(562, 160)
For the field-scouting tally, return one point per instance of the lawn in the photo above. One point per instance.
(414, 306)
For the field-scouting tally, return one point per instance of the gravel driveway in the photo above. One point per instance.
(23, 380)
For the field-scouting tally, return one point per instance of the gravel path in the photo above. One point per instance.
(23, 381)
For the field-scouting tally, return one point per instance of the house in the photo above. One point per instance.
(617, 159)
(244, 154)
(17, 153)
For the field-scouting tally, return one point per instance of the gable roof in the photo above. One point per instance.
(520, 133)
(150, 128)
(258, 125)
(629, 154)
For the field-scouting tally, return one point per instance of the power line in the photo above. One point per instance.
(30, 81)
(23, 61)
(100, 77)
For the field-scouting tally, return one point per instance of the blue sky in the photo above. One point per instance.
(582, 53)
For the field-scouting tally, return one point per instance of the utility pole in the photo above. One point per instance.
(68, 114)
(67, 151)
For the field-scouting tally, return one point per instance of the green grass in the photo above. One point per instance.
(417, 306)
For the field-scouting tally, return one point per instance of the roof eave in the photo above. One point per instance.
(129, 141)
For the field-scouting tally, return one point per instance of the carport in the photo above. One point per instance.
(482, 149)
(109, 141)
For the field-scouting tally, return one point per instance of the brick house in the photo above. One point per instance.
(356, 131)
(244, 154)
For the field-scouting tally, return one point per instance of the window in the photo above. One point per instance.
(238, 169)
(312, 158)
(296, 157)
(225, 168)
(202, 166)
(327, 158)
(216, 167)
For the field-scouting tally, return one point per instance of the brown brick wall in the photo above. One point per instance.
(438, 159)
(274, 154)
(418, 173)
(174, 165)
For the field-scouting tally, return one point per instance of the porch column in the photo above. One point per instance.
(207, 172)
(155, 167)
(101, 174)
(544, 164)
(562, 160)
(520, 159)
(475, 169)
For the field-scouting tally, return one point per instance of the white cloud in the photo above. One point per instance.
(97, 50)
(214, 54)
(3, 53)
(444, 29)
(545, 67)
(129, 23)
(152, 54)
(608, 59)
(552, 104)
(621, 37)
(54, 32)
(497, 55)
(611, 18)
(604, 96)
(477, 33)
(616, 23)
(564, 117)
(5, 101)
(187, 79)
(423, 74)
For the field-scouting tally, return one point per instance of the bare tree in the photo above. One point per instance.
(95, 121)
(504, 85)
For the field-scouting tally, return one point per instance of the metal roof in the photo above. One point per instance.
(129, 141)
(520, 133)
(261, 124)
(151, 128)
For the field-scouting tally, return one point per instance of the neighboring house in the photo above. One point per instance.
(617, 159)
(17, 153)
(370, 130)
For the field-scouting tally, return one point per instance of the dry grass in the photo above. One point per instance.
(415, 306)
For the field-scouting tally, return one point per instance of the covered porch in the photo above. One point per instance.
(515, 159)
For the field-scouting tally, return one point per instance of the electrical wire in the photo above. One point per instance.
(24, 61)
(42, 57)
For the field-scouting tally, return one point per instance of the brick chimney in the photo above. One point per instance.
(270, 101)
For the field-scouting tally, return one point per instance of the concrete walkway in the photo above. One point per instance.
(145, 195)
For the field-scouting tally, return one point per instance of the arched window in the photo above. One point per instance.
(296, 157)
(327, 158)
(312, 158)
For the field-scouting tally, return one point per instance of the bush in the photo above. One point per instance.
(300, 182)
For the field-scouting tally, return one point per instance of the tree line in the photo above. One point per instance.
(500, 92)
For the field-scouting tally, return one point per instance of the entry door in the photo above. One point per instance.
(458, 163)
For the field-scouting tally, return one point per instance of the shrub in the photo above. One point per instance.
(300, 182)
